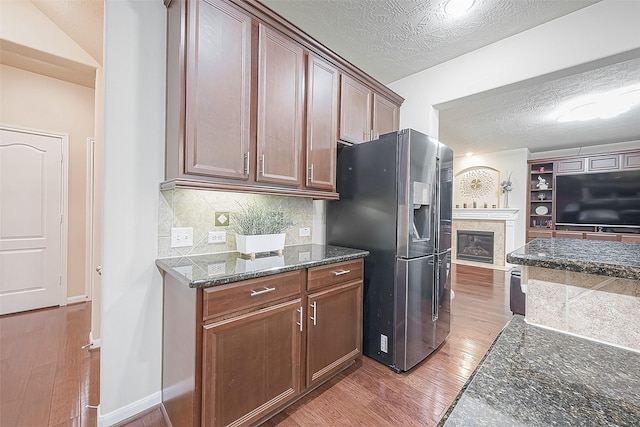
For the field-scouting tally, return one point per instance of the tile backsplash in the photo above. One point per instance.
(197, 208)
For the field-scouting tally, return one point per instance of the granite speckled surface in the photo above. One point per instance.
(615, 259)
(202, 271)
(536, 377)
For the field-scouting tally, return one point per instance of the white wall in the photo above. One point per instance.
(130, 360)
(506, 162)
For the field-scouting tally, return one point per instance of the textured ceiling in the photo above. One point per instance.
(391, 39)
(526, 116)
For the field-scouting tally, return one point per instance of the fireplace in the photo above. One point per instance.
(475, 246)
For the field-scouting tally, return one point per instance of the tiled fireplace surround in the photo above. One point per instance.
(500, 221)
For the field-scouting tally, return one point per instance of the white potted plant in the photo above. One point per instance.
(259, 228)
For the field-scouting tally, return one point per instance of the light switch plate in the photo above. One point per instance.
(181, 237)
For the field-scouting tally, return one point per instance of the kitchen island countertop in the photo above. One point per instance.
(605, 258)
(203, 271)
(537, 377)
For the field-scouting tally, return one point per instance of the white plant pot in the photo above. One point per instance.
(260, 243)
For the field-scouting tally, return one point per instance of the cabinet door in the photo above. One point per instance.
(386, 116)
(322, 124)
(218, 90)
(334, 329)
(570, 166)
(355, 111)
(251, 364)
(280, 104)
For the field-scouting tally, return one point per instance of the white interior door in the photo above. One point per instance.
(30, 220)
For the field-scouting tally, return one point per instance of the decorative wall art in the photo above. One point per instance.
(477, 187)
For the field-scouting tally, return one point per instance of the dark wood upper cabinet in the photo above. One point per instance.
(322, 124)
(364, 114)
(237, 113)
(218, 86)
(280, 108)
(386, 116)
(355, 111)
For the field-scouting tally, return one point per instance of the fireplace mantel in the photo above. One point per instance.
(502, 221)
(498, 214)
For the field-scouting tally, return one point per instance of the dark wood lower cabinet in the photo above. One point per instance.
(229, 361)
(251, 365)
(332, 338)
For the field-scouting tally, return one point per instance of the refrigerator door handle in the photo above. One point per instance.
(436, 288)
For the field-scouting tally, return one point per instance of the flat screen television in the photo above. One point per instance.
(608, 199)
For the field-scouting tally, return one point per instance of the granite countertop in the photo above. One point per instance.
(537, 377)
(202, 271)
(615, 259)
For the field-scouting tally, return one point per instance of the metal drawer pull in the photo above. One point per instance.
(263, 291)
(300, 323)
(314, 313)
(341, 272)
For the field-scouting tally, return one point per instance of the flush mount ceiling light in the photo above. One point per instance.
(468, 154)
(457, 8)
(600, 106)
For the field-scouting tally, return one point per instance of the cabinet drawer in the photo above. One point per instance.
(332, 274)
(250, 293)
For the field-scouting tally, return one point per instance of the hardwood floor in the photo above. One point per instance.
(47, 379)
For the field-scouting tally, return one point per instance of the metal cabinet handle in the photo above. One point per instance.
(310, 177)
(300, 322)
(246, 163)
(99, 270)
(341, 272)
(263, 291)
(262, 165)
(314, 317)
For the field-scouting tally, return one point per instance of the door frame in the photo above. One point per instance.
(89, 235)
(64, 202)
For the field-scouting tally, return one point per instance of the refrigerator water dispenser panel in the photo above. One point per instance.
(422, 196)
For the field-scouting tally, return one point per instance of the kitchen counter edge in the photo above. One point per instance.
(337, 254)
(604, 258)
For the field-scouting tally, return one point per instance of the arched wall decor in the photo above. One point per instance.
(477, 186)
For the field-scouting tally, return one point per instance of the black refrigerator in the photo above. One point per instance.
(395, 202)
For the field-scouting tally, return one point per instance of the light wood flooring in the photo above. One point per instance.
(47, 379)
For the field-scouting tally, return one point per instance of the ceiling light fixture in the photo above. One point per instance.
(457, 8)
(600, 106)
(469, 154)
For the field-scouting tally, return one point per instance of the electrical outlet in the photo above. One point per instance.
(304, 256)
(217, 236)
(304, 232)
(217, 268)
(181, 237)
(383, 343)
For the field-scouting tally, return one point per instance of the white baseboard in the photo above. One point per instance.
(129, 410)
(79, 298)
(94, 342)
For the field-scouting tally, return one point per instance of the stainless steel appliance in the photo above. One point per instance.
(395, 201)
